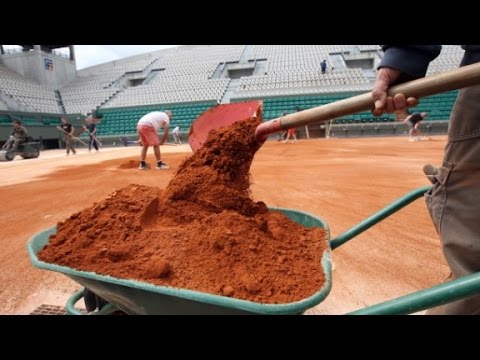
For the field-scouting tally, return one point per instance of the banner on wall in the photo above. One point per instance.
(48, 64)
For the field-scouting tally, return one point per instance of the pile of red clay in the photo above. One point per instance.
(203, 232)
(130, 164)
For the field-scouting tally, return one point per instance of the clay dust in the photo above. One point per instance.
(203, 232)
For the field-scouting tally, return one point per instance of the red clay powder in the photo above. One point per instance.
(203, 232)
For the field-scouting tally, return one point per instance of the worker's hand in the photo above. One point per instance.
(383, 103)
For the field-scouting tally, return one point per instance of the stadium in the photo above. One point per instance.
(342, 171)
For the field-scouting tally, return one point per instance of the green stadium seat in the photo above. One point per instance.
(124, 120)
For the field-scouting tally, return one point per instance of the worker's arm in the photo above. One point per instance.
(165, 135)
(407, 119)
(399, 64)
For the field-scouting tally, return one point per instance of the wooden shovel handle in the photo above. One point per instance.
(447, 81)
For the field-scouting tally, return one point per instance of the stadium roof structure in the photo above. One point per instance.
(28, 47)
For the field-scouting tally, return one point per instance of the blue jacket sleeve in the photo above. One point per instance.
(412, 60)
(472, 54)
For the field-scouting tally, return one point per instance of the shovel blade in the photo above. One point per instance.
(221, 116)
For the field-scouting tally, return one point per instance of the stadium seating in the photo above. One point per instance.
(88, 92)
(438, 107)
(189, 79)
(28, 92)
(123, 121)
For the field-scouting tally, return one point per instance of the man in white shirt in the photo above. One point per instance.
(147, 130)
(176, 135)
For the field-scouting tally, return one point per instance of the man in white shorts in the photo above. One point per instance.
(147, 130)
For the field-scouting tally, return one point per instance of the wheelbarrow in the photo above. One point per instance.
(136, 297)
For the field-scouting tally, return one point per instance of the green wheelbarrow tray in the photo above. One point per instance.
(137, 297)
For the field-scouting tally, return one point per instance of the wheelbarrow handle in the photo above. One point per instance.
(445, 293)
(379, 216)
(451, 80)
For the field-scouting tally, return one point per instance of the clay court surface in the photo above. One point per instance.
(341, 180)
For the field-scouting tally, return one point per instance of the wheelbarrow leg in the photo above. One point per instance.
(71, 310)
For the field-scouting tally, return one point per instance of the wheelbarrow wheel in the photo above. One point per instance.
(7, 155)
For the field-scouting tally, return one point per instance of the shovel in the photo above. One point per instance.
(73, 137)
(224, 115)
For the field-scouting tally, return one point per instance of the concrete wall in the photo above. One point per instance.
(31, 64)
(387, 129)
(37, 132)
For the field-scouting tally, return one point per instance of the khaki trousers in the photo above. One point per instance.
(454, 201)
